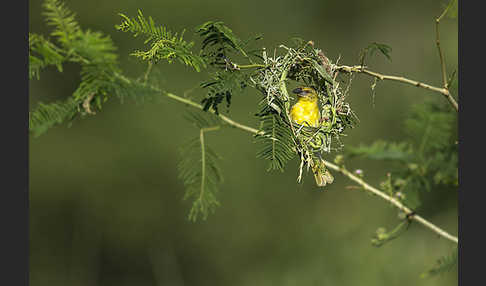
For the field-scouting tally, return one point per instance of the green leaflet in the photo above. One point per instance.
(426, 160)
(221, 88)
(381, 150)
(46, 116)
(198, 168)
(66, 29)
(95, 52)
(215, 33)
(164, 45)
(372, 48)
(276, 143)
(42, 53)
(444, 264)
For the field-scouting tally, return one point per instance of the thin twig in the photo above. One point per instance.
(224, 118)
(411, 214)
(437, 39)
(343, 171)
(441, 55)
(441, 90)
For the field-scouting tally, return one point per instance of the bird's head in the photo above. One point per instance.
(306, 93)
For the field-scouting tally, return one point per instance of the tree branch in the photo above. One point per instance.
(393, 201)
(343, 171)
(442, 90)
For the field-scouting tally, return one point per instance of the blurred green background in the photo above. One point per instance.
(106, 205)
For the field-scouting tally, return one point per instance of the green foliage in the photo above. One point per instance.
(372, 48)
(198, 169)
(222, 87)
(66, 29)
(428, 159)
(219, 47)
(101, 77)
(94, 48)
(218, 36)
(42, 53)
(163, 43)
(277, 144)
(444, 264)
(382, 150)
(48, 115)
(431, 127)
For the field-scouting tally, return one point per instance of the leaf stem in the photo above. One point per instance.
(203, 157)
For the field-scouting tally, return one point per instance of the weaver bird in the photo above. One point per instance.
(306, 110)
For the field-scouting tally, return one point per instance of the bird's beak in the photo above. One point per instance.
(298, 91)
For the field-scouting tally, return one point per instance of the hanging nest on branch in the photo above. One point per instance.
(303, 65)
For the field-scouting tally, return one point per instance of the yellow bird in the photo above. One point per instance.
(306, 110)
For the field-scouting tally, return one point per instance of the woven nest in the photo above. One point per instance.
(308, 66)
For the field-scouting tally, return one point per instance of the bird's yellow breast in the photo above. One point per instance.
(305, 111)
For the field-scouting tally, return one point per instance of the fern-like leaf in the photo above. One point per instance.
(444, 264)
(46, 116)
(65, 26)
(372, 48)
(163, 43)
(215, 33)
(382, 150)
(222, 87)
(96, 49)
(198, 169)
(42, 53)
(277, 145)
(431, 127)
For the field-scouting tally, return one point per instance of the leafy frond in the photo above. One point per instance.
(444, 264)
(222, 87)
(65, 26)
(42, 53)
(382, 150)
(95, 48)
(220, 46)
(434, 130)
(372, 48)
(215, 33)
(163, 43)
(201, 176)
(101, 77)
(277, 145)
(46, 116)
(430, 126)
